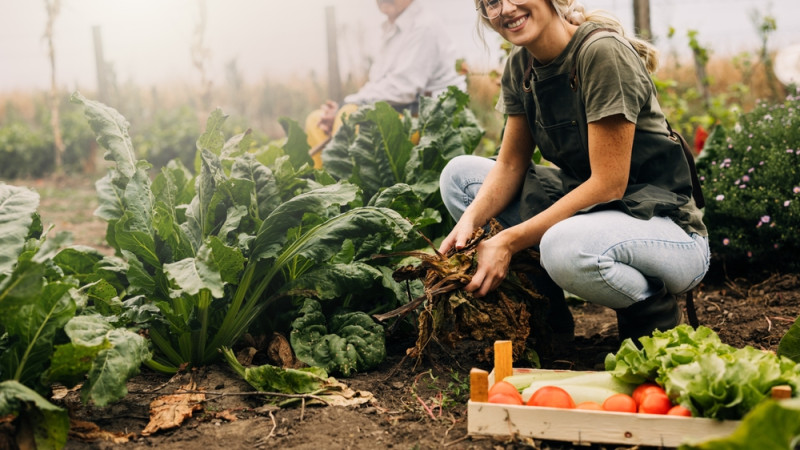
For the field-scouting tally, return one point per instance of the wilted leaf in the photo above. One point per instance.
(89, 431)
(170, 411)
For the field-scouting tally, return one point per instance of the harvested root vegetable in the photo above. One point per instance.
(514, 311)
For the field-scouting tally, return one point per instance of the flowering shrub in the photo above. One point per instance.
(751, 180)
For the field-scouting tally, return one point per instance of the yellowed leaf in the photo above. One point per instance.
(170, 411)
(89, 431)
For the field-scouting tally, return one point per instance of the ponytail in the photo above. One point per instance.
(574, 12)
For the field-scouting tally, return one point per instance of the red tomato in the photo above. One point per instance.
(504, 398)
(552, 396)
(679, 410)
(593, 406)
(655, 403)
(504, 387)
(644, 388)
(620, 403)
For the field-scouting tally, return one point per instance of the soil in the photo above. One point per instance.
(420, 406)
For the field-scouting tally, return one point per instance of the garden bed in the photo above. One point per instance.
(413, 405)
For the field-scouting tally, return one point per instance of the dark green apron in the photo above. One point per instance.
(659, 181)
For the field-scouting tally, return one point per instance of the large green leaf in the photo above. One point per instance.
(271, 236)
(790, 343)
(269, 378)
(106, 381)
(49, 423)
(382, 148)
(297, 144)
(111, 129)
(770, 425)
(33, 325)
(213, 139)
(17, 210)
(336, 280)
(265, 187)
(191, 275)
(365, 224)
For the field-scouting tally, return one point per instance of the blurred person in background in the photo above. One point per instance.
(614, 217)
(416, 58)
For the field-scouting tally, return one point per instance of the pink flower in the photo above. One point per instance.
(796, 190)
(787, 203)
(719, 198)
(726, 241)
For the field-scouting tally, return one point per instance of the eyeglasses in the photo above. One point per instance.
(491, 9)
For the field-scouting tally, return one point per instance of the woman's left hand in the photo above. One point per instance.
(493, 258)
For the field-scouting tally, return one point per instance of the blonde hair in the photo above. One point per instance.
(574, 12)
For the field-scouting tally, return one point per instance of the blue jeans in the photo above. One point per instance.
(604, 257)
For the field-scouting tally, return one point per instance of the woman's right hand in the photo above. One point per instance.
(459, 235)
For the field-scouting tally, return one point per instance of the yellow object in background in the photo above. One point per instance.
(317, 137)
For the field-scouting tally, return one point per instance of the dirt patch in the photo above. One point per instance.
(414, 406)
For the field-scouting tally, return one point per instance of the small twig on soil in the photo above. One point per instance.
(783, 319)
(461, 439)
(769, 323)
(424, 405)
(395, 368)
(164, 384)
(274, 425)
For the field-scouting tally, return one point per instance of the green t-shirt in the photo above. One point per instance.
(613, 80)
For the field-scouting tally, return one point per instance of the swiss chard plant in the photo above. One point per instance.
(215, 251)
(49, 329)
(397, 159)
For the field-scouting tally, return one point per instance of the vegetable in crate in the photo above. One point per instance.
(515, 311)
(698, 371)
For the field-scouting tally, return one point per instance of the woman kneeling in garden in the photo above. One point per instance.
(614, 217)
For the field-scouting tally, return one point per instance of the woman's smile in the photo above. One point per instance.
(516, 23)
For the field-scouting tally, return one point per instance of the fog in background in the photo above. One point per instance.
(150, 41)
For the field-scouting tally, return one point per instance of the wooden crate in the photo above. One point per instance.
(579, 426)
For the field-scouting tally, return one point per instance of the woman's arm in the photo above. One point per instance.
(610, 146)
(501, 184)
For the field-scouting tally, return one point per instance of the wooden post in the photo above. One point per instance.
(53, 9)
(641, 19)
(334, 80)
(503, 360)
(100, 66)
(478, 385)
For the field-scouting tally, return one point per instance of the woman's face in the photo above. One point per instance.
(524, 23)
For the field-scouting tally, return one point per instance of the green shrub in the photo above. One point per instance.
(751, 180)
(24, 152)
(169, 134)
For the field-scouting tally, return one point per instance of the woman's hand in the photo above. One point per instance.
(459, 235)
(493, 258)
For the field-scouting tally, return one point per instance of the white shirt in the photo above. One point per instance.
(416, 58)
